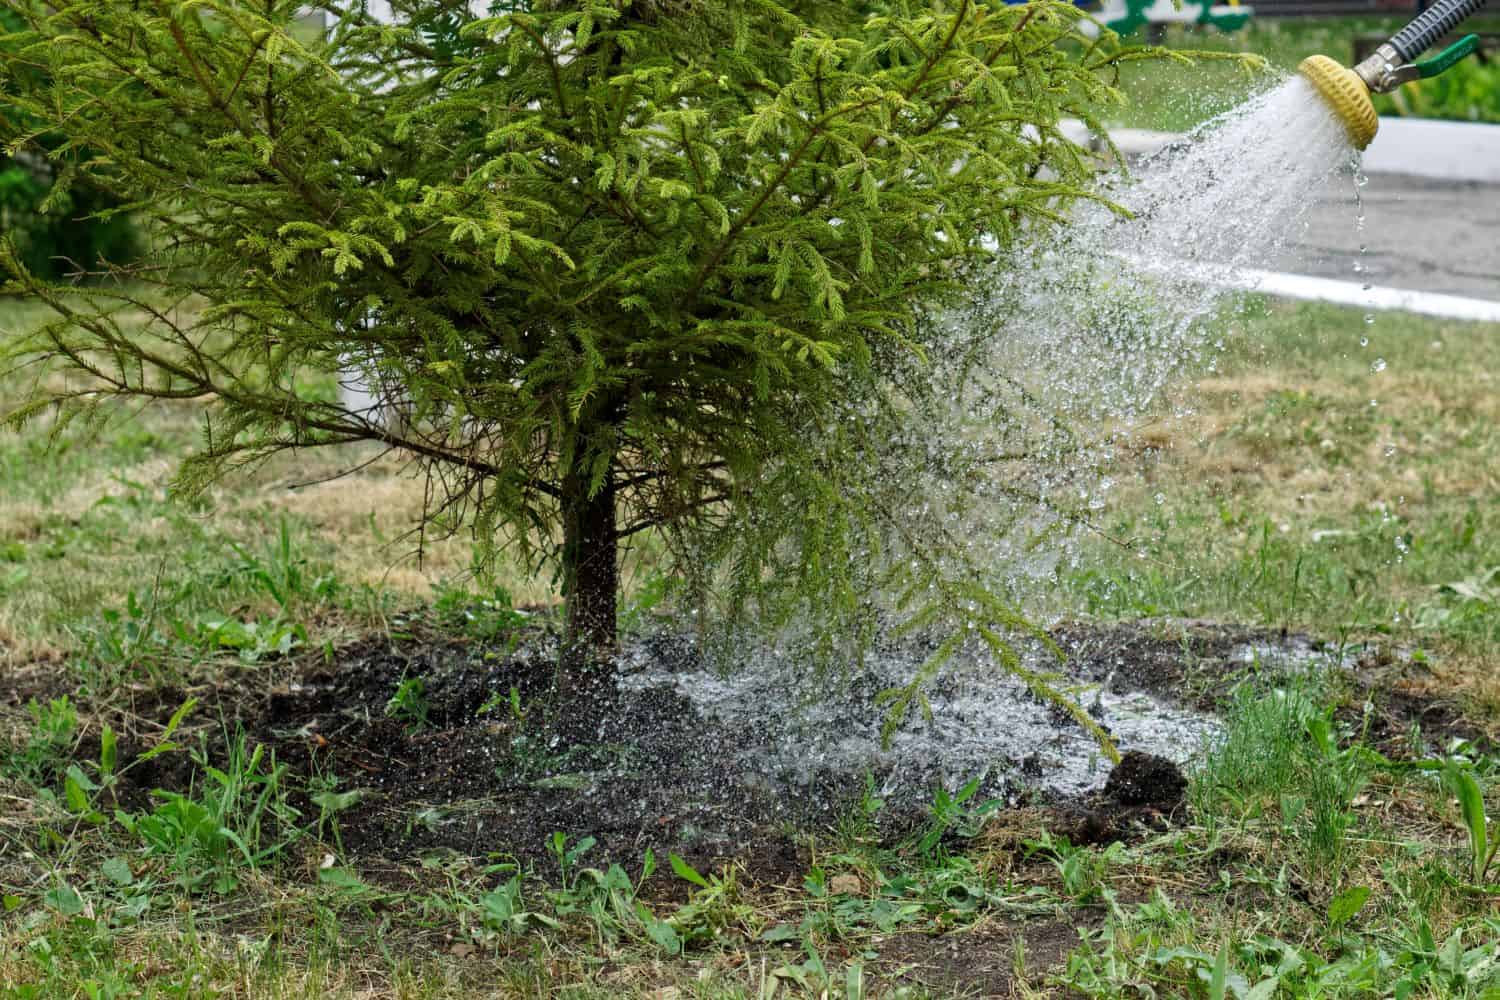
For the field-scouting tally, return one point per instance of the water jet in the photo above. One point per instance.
(1348, 91)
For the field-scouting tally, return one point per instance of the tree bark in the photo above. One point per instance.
(591, 579)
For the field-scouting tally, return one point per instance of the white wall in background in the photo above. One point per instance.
(1456, 151)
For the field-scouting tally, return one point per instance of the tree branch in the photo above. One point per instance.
(647, 523)
(792, 162)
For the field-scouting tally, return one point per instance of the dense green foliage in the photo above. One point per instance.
(54, 231)
(627, 262)
(58, 236)
(1469, 91)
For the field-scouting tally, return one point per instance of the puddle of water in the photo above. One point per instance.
(983, 723)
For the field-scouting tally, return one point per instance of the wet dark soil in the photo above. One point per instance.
(488, 759)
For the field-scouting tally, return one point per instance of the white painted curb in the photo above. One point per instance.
(1379, 298)
(1376, 298)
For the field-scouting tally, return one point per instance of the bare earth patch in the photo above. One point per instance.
(492, 760)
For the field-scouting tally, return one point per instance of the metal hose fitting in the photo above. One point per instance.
(1389, 66)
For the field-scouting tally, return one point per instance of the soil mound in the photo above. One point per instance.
(1143, 779)
(483, 756)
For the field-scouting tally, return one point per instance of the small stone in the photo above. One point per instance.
(845, 885)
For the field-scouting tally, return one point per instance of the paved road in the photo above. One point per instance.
(1428, 235)
(1422, 233)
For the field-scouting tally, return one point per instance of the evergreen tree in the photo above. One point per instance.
(626, 259)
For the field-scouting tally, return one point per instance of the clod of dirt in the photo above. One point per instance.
(1143, 792)
(1143, 779)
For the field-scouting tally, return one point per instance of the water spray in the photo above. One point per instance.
(1391, 65)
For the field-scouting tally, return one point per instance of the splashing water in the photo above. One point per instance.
(812, 734)
(1038, 389)
(1116, 311)
(1103, 317)
(1069, 348)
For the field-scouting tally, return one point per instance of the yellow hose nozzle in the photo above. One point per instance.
(1346, 93)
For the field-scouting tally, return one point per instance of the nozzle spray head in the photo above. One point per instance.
(1346, 93)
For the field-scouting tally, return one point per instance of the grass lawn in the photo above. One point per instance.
(1329, 475)
(1310, 482)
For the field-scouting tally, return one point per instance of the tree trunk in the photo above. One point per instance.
(591, 579)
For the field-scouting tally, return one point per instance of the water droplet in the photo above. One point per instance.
(1364, 341)
(1378, 365)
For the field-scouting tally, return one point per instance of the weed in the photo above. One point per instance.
(408, 704)
(323, 792)
(54, 726)
(487, 617)
(1472, 603)
(951, 812)
(239, 818)
(85, 795)
(281, 571)
(1454, 968)
(132, 641)
(251, 640)
(716, 905)
(1484, 840)
(857, 828)
(1278, 751)
(151, 636)
(502, 909)
(1330, 778)
(1084, 871)
(511, 699)
(567, 857)
(608, 898)
(532, 757)
(1256, 758)
(1136, 956)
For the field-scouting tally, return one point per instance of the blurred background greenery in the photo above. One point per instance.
(1177, 97)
